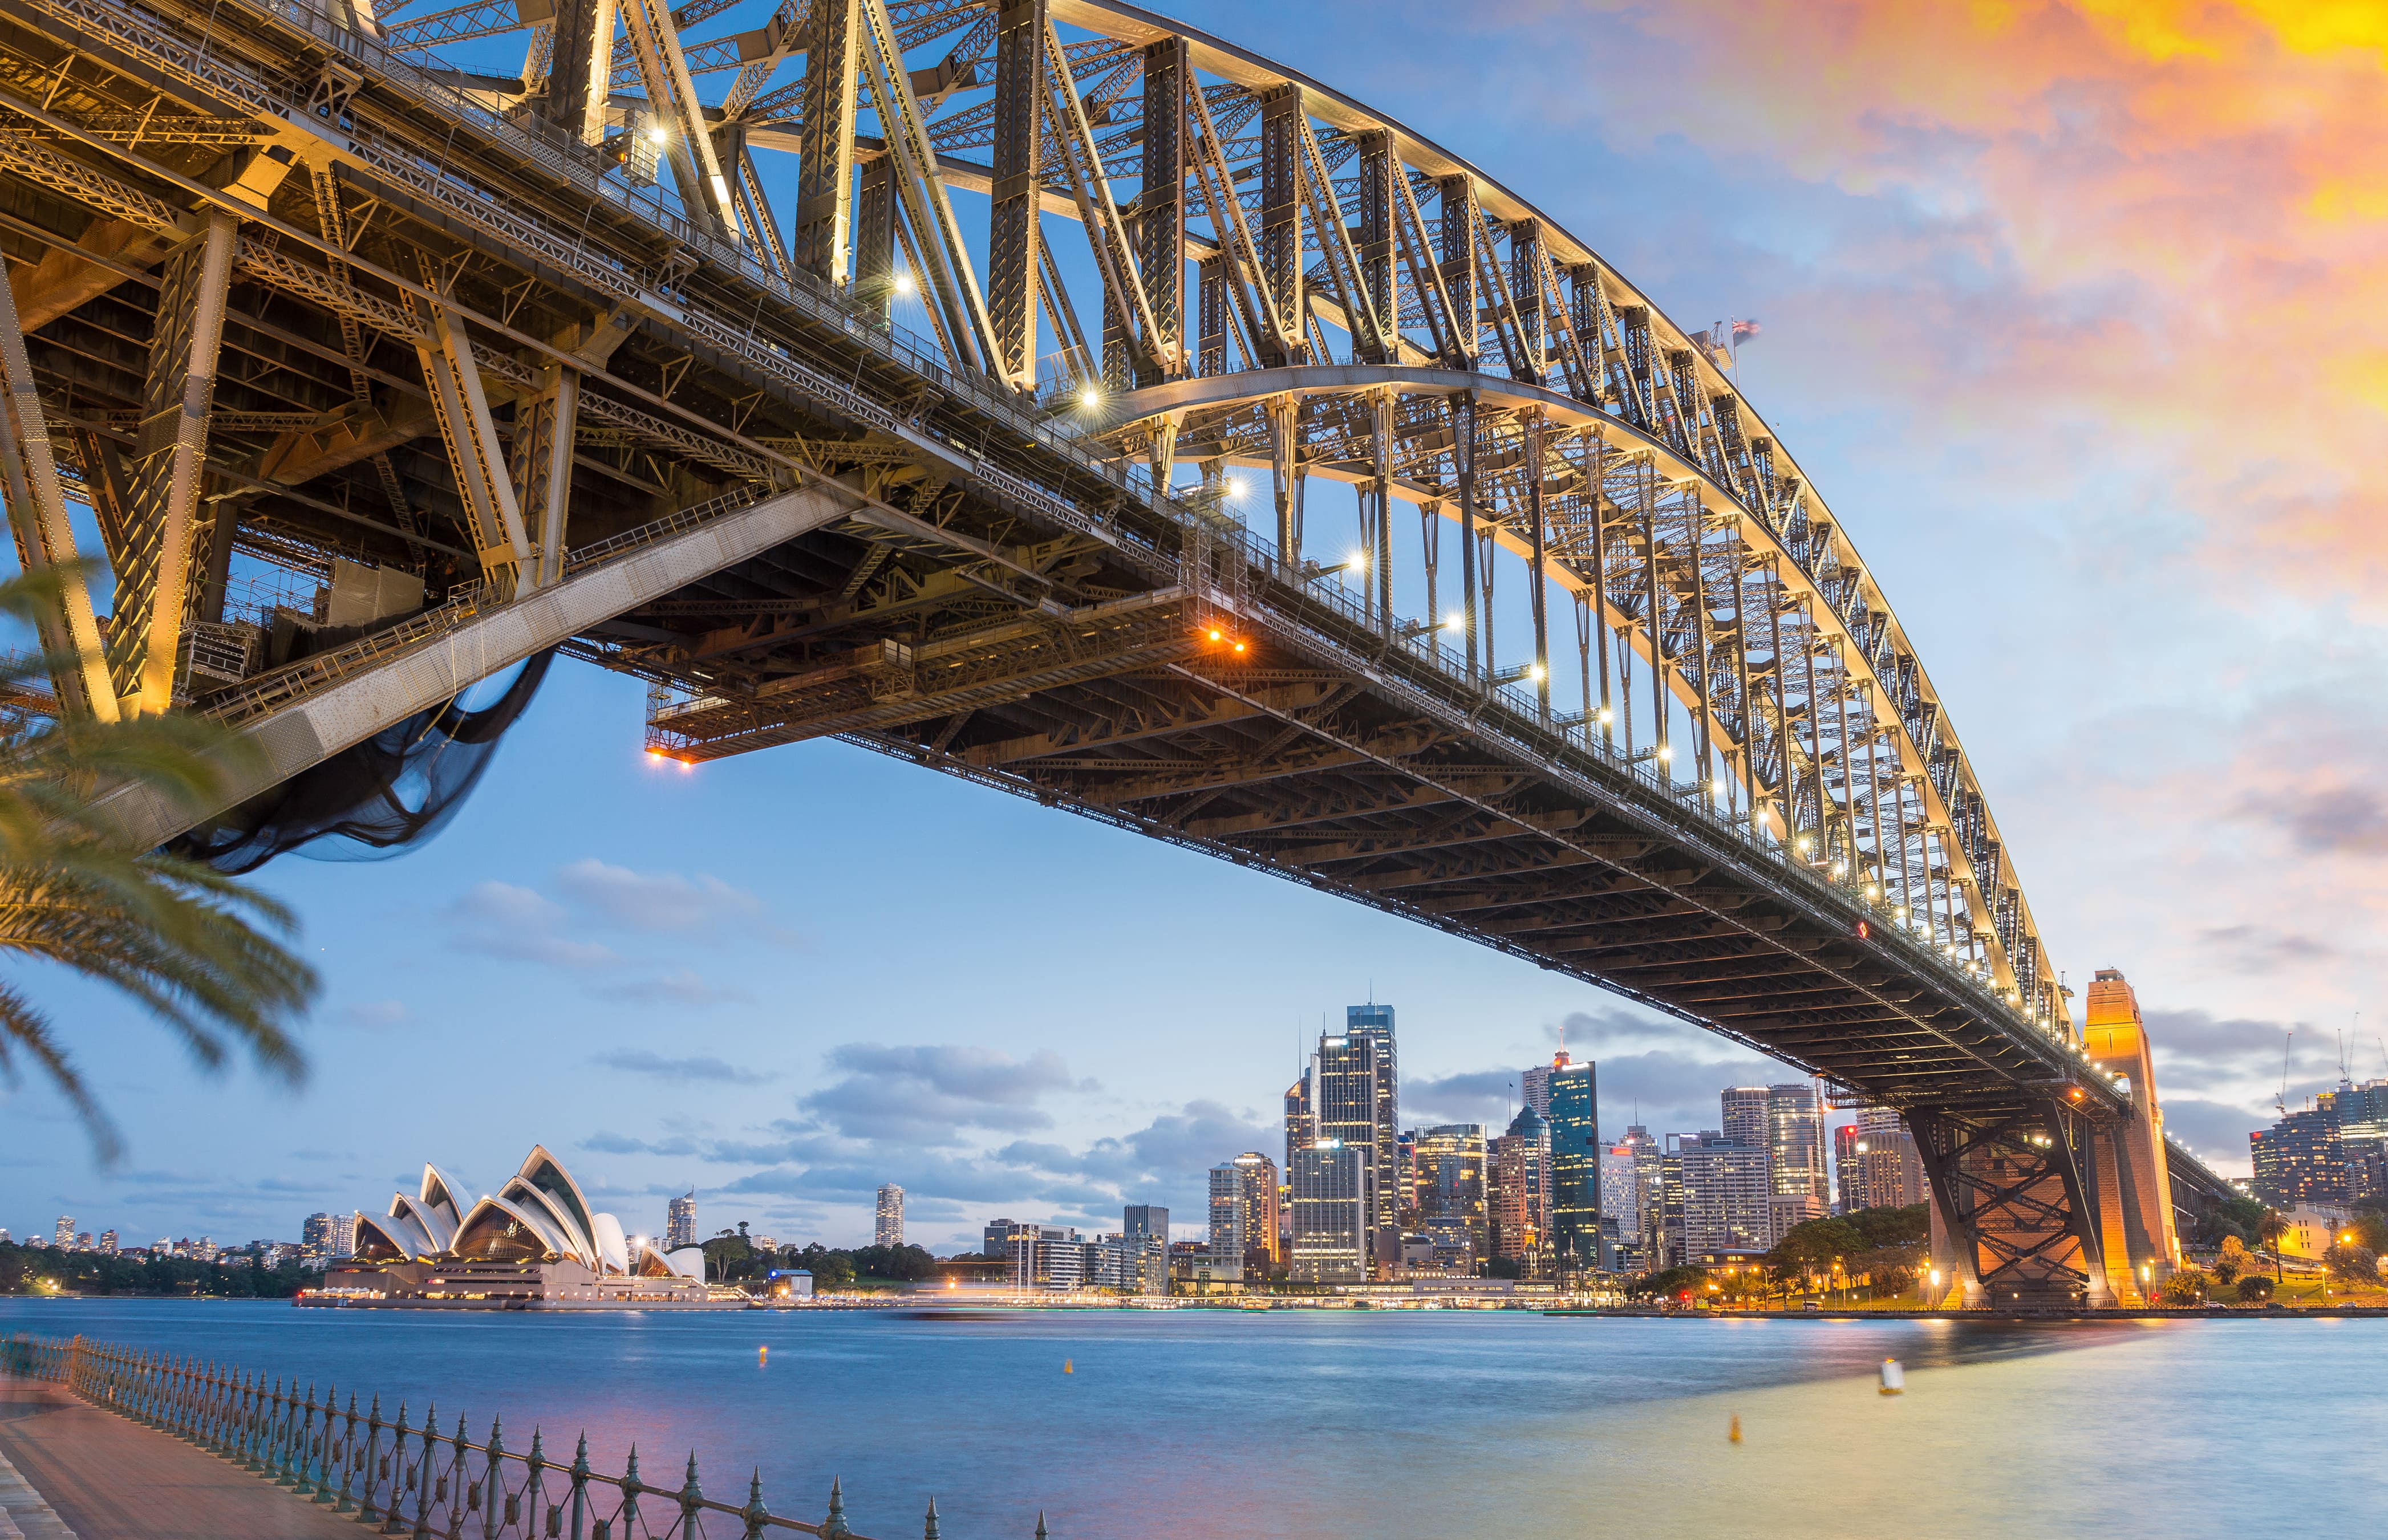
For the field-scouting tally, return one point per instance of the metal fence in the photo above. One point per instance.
(397, 1477)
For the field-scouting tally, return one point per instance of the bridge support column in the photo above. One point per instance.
(474, 454)
(1014, 232)
(1285, 469)
(2014, 1198)
(825, 168)
(543, 467)
(168, 544)
(2143, 1242)
(37, 517)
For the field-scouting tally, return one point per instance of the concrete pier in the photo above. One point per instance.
(80, 1473)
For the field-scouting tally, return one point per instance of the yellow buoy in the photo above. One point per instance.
(763, 1354)
(1734, 1434)
(1066, 1369)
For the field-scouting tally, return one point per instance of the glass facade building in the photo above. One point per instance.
(1575, 1166)
(1331, 1214)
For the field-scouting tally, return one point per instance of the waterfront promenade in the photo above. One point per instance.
(105, 1477)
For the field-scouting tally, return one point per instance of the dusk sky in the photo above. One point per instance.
(2077, 315)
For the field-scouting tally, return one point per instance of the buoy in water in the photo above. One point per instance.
(762, 1356)
(1893, 1378)
(1733, 1435)
(1066, 1369)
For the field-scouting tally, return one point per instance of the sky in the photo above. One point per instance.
(2075, 313)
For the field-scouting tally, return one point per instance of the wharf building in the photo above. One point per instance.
(534, 1245)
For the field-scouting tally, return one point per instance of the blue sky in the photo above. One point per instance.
(785, 979)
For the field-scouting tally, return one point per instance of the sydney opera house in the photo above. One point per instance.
(535, 1245)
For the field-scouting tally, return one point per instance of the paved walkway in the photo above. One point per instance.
(85, 1474)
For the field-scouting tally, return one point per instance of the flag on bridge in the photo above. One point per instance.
(1743, 331)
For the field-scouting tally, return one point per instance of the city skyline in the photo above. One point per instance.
(693, 922)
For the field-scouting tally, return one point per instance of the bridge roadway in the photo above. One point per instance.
(289, 287)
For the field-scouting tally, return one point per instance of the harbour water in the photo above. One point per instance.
(1383, 1424)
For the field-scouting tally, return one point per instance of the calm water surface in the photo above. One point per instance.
(1327, 1425)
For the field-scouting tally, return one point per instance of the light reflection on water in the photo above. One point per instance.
(1384, 1424)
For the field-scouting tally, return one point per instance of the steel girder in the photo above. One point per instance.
(1313, 739)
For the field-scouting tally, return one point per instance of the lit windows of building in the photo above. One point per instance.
(888, 1229)
(1243, 1212)
(1046, 1256)
(1332, 1213)
(62, 1235)
(1724, 1203)
(1795, 1143)
(1520, 1202)
(1450, 1166)
(107, 1243)
(2300, 1160)
(1876, 1162)
(315, 1238)
(1356, 1114)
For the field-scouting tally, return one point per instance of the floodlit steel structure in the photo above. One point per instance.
(300, 284)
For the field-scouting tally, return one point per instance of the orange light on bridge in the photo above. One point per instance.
(1864, 930)
(1239, 647)
(1218, 636)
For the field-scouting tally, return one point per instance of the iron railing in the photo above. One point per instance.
(396, 1476)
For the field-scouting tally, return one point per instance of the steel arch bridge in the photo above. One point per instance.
(482, 320)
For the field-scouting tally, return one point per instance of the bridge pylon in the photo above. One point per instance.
(2134, 1208)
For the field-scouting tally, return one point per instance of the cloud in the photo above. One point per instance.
(2329, 819)
(520, 924)
(660, 903)
(930, 1094)
(606, 1143)
(1486, 1096)
(374, 1015)
(656, 1066)
(2258, 948)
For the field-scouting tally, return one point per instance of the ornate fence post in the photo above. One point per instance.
(929, 1526)
(631, 1487)
(302, 1481)
(579, 1487)
(755, 1513)
(493, 1476)
(423, 1470)
(349, 1458)
(378, 1462)
(690, 1499)
(834, 1527)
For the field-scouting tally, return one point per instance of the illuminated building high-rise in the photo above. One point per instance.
(1244, 1220)
(1575, 1166)
(1355, 1109)
(1629, 1196)
(1877, 1162)
(1332, 1213)
(680, 1222)
(1534, 1088)
(1520, 1202)
(1301, 1112)
(1450, 1166)
(1722, 1205)
(1794, 1142)
(888, 1227)
(2299, 1160)
(1374, 1023)
(1748, 1113)
(63, 1235)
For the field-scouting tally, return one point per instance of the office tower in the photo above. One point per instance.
(680, 1222)
(2362, 1114)
(1301, 1112)
(1747, 1115)
(1353, 1114)
(1332, 1213)
(1794, 1142)
(1146, 1220)
(1450, 1167)
(63, 1236)
(2300, 1160)
(1621, 1188)
(1534, 1090)
(1520, 1161)
(889, 1228)
(1724, 1203)
(1374, 1023)
(1575, 1166)
(1878, 1166)
(1413, 1180)
(1244, 1218)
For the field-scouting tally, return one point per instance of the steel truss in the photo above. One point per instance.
(460, 343)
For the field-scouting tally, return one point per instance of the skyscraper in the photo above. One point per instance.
(1450, 1166)
(1244, 1221)
(1146, 1220)
(2301, 1159)
(1332, 1212)
(1575, 1166)
(680, 1222)
(1878, 1164)
(1794, 1142)
(1356, 1110)
(63, 1237)
(1749, 1115)
(1534, 1088)
(1621, 1189)
(316, 1238)
(1301, 1112)
(1520, 1202)
(889, 1228)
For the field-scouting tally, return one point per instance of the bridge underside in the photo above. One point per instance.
(284, 302)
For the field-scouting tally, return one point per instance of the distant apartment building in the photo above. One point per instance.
(1724, 1203)
(63, 1233)
(1575, 1166)
(680, 1222)
(315, 1238)
(1333, 1214)
(1045, 1257)
(1519, 1217)
(1127, 1264)
(1146, 1218)
(107, 1243)
(889, 1228)
(1876, 1162)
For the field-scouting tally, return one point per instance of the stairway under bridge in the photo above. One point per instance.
(506, 364)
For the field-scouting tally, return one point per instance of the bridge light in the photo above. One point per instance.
(658, 134)
(1666, 753)
(1865, 932)
(1236, 487)
(1359, 562)
(1455, 622)
(1217, 636)
(904, 282)
(1090, 395)
(1536, 672)
(1239, 647)
(1874, 890)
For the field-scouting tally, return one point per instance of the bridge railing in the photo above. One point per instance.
(398, 1475)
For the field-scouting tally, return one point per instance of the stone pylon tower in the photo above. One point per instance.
(2134, 1208)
